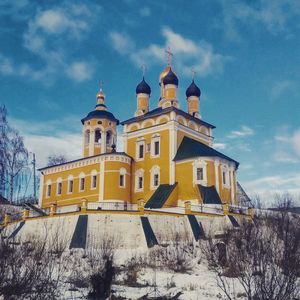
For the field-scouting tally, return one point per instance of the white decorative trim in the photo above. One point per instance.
(216, 163)
(41, 190)
(88, 161)
(139, 173)
(152, 121)
(200, 163)
(155, 138)
(155, 170)
(232, 185)
(140, 142)
(225, 169)
(101, 181)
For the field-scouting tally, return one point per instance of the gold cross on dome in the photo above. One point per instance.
(144, 69)
(101, 83)
(169, 55)
(193, 73)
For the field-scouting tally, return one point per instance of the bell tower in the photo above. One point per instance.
(99, 129)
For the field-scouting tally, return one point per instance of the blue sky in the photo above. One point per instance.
(245, 53)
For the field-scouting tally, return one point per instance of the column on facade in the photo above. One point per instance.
(217, 163)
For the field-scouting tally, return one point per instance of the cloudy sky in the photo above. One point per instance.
(245, 53)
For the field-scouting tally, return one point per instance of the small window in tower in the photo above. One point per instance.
(48, 190)
(82, 184)
(108, 138)
(99, 122)
(122, 180)
(97, 136)
(87, 137)
(200, 174)
(141, 151)
(70, 189)
(156, 180)
(94, 181)
(59, 187)
(140, 182)
(224, 177)
(156, 148)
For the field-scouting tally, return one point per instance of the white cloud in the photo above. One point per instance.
(280, 88)
(188, 54)
(287, 146)
(220, 146)
(6, 65)
(79, 71)
(273, 15)
(121, 42)
(243, 132)
(296, 142)
(145, 12)
(50, 137)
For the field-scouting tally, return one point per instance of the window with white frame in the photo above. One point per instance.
(70, 184)
(48, 189)
(59, 186)
(155, 177)
(87, 137)
(122, 177)
(155, 145)
(140, 149)
(199, 172)
(225, 177)
(81, 182)
(139, 180)
(93, 179)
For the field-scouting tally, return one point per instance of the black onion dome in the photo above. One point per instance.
(170, 78)
(193, 90)
(143, 88)
(100, 114)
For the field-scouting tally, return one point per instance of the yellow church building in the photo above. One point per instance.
(168, 157)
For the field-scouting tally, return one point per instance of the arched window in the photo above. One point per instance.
(200, 172)
(70, 184)
(97, 136)
(155, 177)
(139, 180)
(48, 190)
(59, 186)
(81, 181)
(122, 178)
(87, 137)
(108, 138)
(93, 179)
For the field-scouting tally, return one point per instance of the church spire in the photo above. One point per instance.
(100, 98)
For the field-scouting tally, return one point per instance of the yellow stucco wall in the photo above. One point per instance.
(76, 196)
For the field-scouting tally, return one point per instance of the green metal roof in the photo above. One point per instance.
(190, 148)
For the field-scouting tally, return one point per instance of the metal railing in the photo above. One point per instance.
(215, 209)
(120, 206)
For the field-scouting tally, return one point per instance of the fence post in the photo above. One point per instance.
(225, 209)
(83, 205)
(187, 207)
(7, 219)
(25, 214)
(52, 210)
(141, 205)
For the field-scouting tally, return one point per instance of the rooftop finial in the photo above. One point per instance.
(169, 56)
(193, 73)
(101, 85)
(144, 69)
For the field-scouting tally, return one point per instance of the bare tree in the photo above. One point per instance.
(3, 146)
(263, 257)
(16, 158)
(56, 159)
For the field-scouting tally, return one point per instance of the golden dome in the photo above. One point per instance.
(100, 94)
(164, 73)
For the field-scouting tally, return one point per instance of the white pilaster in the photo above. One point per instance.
(172, 151)
(92, 142)
(217, 163)
(41, 190)
(101, 181)
(232, 184)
